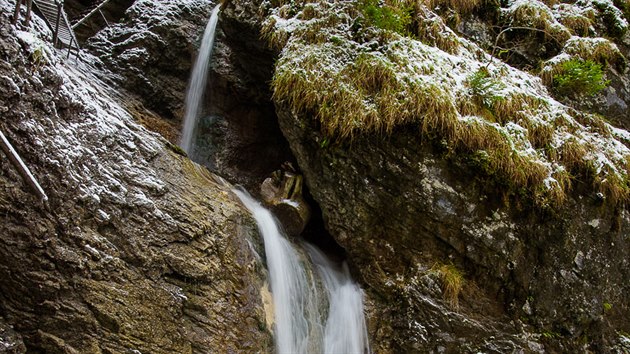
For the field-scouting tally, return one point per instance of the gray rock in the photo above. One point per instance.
(138, 250)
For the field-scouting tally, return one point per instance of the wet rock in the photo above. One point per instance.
(151, 53)
(139, 249)
(283, 194)
(10, 341)
(397, 208)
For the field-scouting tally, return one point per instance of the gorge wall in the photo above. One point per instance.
(159, 229)
(138, 248)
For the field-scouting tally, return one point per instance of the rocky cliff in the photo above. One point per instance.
(464, 244)
(481, 207)
(137, 249)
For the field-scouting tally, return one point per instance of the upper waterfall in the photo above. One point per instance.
(197, 84)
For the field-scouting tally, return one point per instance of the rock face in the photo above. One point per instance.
(151, 53)
(138, 249)
(398, 208)
(151, 49)
(282, 192)
(534, 281)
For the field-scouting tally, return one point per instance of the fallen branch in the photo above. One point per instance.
(21, 167)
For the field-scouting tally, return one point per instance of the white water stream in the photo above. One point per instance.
(308, 319)
(197, 84)
(303, 322)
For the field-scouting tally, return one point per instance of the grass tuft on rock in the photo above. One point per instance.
(357, 81)
(452, 280)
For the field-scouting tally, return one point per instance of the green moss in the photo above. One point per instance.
(578, 76)
(391, 16)
(176, 149)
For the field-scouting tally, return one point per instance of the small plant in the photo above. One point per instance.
(38, 57)
(389, 16)
(551, 334)
(578, 76)
(607, 306)
(452, 282)
(485, 88)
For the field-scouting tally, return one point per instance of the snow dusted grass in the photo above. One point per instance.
(358, 81)
(535, 14)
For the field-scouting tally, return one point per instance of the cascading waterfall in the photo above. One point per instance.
(198, 81)
(345, 330)
(305, 322)
(299, 319)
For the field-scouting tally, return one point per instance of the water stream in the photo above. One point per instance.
(197, 84)
(317, 306)
(307, 320)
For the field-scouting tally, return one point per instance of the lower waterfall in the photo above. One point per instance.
(303, 322)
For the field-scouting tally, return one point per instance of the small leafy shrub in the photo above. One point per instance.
(578, 76)
(485, 88)
(389, 16)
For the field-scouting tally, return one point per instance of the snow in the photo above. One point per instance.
(418, 62)
(104, 152)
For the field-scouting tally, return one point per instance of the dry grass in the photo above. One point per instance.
(352, 93)
(460, 6)
(433, 31)
(452, 282)
(600, 50)
(613, 186)
(572, 155)
(535, 15)
(595, 122)
(578, 24)
(538, 133)
(516, 106)
(274, 37)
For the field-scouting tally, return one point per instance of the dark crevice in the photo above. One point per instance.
(240, 137)
(316, 233)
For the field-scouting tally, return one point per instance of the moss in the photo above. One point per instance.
(176, 149)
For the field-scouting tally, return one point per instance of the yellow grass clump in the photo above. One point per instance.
(452, 282)
(511, 133)
(433, 31)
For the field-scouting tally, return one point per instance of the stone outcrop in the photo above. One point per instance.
(282, 193)
(138, 248)
(398, 208)
(151, 52)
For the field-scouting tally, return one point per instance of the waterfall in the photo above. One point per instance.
(299, 311)
(197, 84)
(345, 330)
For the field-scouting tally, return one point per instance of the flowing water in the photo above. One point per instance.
(311, 315)
(197, 84)
(345, 330)
(303, 322)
